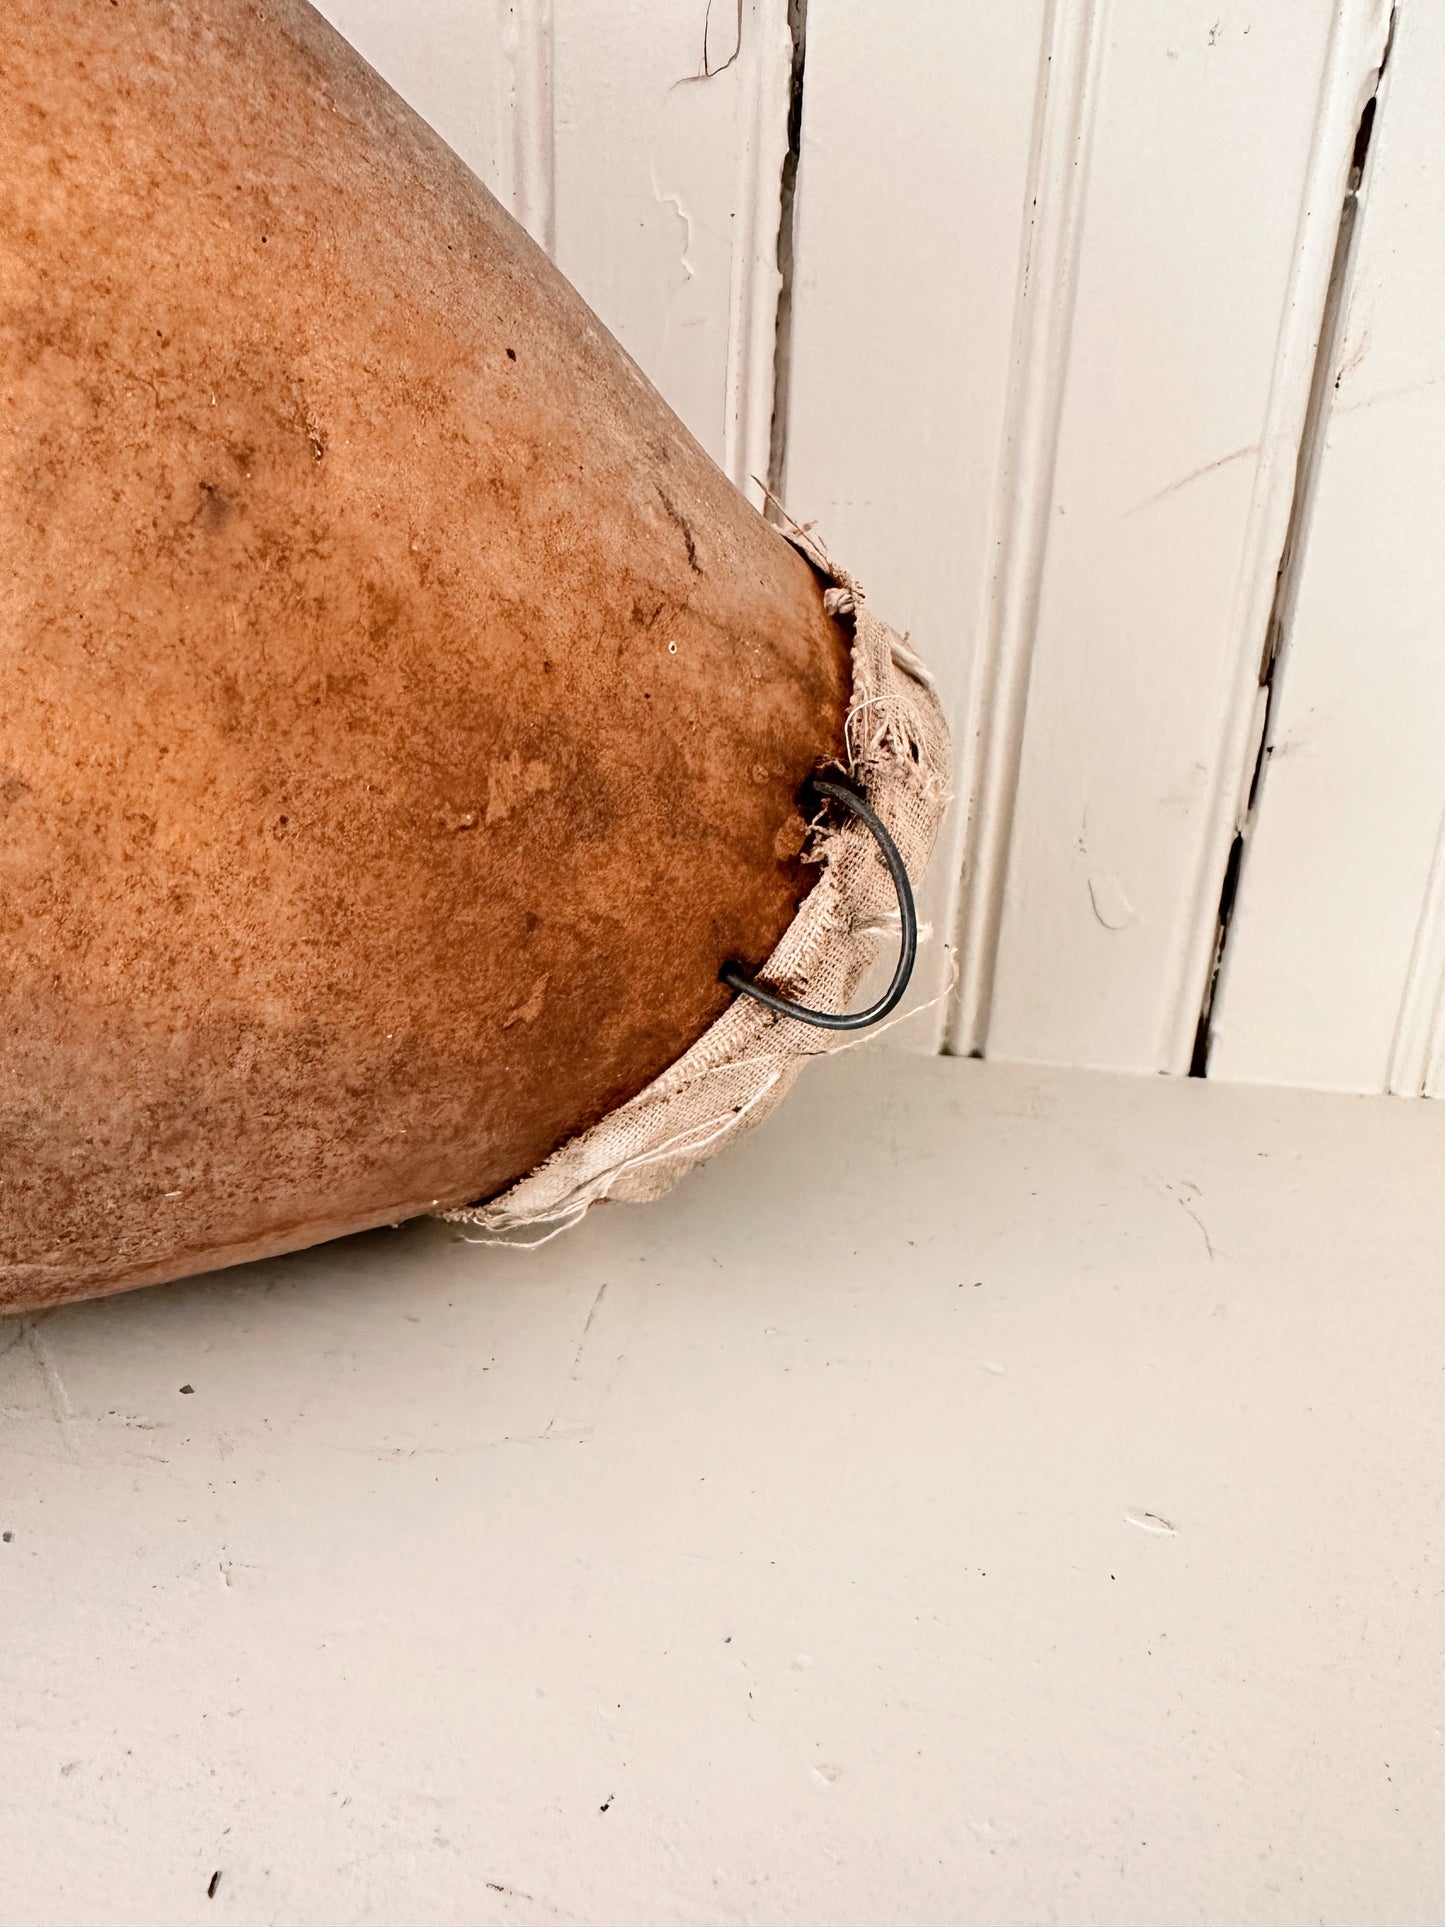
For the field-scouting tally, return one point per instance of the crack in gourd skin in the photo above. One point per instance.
(380, 648)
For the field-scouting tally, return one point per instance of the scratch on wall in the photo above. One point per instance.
(1195, 475)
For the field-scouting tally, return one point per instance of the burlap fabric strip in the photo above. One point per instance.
(898, 756)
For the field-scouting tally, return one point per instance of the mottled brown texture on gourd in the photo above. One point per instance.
(362, 834)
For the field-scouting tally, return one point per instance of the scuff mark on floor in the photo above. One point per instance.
(582, 1341)
(1151, 1522)
(555, 1426)
(61, 1408)
(1167, 1190)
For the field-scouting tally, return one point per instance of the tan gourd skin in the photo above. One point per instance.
(400, 716)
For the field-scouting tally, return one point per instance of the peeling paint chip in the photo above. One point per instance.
(1112, 908)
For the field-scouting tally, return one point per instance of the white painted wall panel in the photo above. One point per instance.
(1051, 357)
(671, 135)
(642, 143)
(1336, 957)
(912, 187)
(1221, 143)
(444, 57)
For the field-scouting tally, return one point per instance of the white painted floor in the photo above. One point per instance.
(984, 1496)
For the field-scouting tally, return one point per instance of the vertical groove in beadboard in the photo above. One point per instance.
(1358, 37)
(765, 72)
(526, 170)
(1417, 1055)
(991, 748)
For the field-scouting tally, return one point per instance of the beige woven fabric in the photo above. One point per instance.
(898, 756)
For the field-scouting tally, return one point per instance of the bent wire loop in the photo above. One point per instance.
(732, 974)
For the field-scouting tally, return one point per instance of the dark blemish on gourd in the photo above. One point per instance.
(680, 522)
(216, 508)
(13, 789)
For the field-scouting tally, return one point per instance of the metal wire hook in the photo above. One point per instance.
(732, 975)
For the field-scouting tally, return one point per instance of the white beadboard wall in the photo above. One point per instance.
(919, 135)
(1056, 285)
(1335, 968)
(1189, 367)
(1052, 357)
